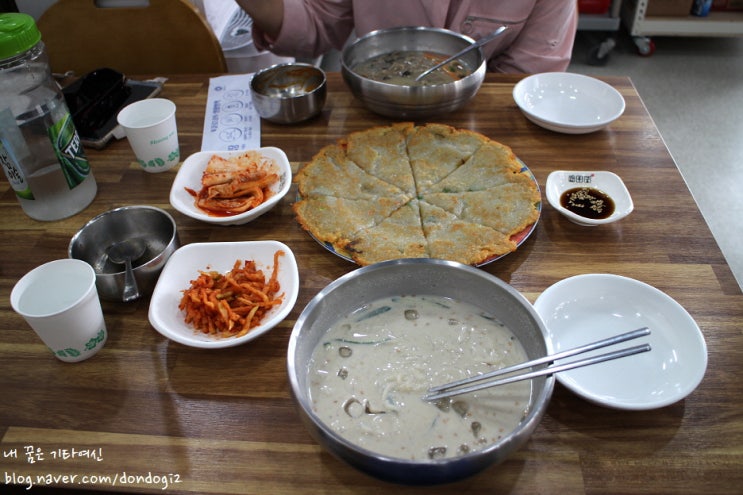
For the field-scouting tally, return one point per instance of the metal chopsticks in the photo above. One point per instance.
(458, 387)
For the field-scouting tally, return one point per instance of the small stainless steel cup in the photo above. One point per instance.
(289, 93)
(152, 226)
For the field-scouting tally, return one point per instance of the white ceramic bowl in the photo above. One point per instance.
(184, 265)
(587, 308)
(568, 103)
(191, 170)
(611, 184)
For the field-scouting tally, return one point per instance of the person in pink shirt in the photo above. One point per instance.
(539, 37)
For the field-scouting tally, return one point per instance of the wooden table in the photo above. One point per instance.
(152, 412)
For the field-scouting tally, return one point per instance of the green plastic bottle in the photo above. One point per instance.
(40, 149)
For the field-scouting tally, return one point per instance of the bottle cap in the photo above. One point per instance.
(18, 33)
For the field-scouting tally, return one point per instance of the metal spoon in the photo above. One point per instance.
(124, 252)
(477, 44)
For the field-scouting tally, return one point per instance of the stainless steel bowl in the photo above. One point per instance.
(289, 93)
(412, 102)
(153, 227)
(427, 277)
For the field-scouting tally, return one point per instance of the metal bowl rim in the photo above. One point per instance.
(320, 87)
(382, 32)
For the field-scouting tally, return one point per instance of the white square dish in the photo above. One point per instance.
(184, 265)
(190, 173)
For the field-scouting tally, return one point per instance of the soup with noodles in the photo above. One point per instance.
(402, 67)
(369, 372)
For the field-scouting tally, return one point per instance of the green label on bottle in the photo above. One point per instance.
(69, 150)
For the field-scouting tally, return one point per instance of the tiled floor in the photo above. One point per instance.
(693, 89)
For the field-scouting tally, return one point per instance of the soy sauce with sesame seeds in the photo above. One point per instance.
(588, 202)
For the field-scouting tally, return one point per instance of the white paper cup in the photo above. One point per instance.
(151, 129)
(60, 302)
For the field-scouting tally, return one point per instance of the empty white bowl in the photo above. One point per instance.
(609, 183)
(189, 176)
(586, 308)
(568, 103)
(186, 263)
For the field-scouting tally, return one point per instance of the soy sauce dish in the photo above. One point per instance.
(589, 198)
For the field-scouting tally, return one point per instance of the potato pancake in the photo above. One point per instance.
(407, 191)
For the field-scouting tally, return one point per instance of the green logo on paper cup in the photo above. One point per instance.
(93, 343)
(89, 346)
(155, 163)
(158, 162)
(69, 352)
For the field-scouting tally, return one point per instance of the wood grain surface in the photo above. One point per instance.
(223, 421)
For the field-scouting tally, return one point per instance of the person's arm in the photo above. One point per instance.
(267, 15)
(299, 28)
